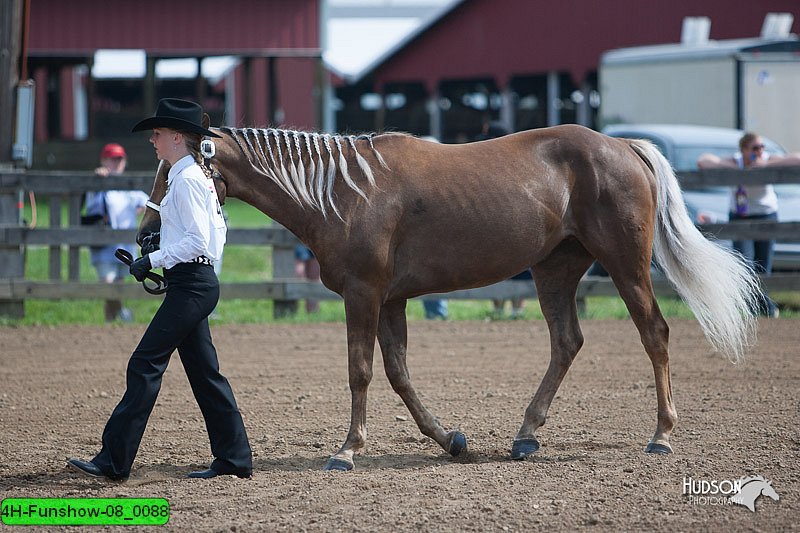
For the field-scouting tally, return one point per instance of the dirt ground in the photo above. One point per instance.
(58, 386)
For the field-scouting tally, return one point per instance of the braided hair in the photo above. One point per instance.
(193, 145)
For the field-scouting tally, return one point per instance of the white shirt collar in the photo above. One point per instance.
(178, 167)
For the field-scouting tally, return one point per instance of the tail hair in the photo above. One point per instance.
(720, 288)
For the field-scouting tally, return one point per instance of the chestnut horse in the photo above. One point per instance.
(391, 217)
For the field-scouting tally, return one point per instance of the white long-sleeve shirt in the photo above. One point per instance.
(191, 217)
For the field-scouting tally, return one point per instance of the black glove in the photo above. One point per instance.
(151, 243)
(141, 267)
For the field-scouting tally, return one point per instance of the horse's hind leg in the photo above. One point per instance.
(557, 279)
(392, 337)
(632, 278)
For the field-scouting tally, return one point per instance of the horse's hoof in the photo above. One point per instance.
(522, 448)
(340, 465)
(660, 449)
(458, 444)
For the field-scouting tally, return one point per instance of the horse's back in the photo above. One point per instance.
(499, 205)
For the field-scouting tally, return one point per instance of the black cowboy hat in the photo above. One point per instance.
(178, 115)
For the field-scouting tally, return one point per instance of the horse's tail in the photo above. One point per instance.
(718, 286)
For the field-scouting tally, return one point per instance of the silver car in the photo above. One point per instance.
(682, 144)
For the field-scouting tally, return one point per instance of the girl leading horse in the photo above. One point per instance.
(391, 217)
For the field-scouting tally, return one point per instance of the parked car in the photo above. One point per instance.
(682, 144)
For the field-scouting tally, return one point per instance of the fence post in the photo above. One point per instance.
(283, 268)
(74, 255)
(12, 258)
(55, 249)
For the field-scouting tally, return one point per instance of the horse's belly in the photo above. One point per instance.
(451, 260)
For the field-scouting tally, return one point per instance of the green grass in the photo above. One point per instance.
(253, 263)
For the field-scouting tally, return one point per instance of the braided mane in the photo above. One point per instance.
(304, 165)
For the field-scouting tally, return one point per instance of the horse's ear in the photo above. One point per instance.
(206, 121)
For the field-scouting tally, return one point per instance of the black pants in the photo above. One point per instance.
(180, 323)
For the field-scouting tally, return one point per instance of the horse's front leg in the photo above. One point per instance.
(361, 312)
(392, 337)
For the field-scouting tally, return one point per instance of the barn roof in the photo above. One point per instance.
(503, 38)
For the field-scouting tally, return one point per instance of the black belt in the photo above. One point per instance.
(203, 260)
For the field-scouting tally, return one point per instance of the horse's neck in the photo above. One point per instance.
(268, 198)
(302, 180)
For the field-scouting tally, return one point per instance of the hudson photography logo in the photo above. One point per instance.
(743, 491)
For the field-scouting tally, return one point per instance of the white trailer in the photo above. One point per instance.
(749, 84)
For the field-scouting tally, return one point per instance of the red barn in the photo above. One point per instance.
(527, 63)
(277, 80)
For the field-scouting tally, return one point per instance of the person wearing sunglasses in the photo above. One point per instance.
(753, 202)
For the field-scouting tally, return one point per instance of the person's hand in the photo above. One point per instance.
(141, 267)
(758, 162)
(101, 171)
(151, 242)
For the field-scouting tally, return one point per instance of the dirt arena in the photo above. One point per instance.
(58, 386)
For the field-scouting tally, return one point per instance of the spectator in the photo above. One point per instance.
(306, 267)
(118, 210)
(435, 308)
(753, 202)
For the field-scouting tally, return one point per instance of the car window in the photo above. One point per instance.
(658, 142)
(641, 135)
(686, 156)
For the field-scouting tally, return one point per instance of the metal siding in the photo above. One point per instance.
(248, 27)
(296, 92)
(770, 105)
(672, 87)
(508, 37)
(259, 91)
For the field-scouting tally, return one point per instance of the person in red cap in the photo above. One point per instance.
(114, 152)
(119, 210)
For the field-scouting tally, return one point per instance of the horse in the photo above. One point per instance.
(390, 217)
(752, 488)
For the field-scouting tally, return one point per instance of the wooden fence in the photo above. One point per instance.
(67, 188)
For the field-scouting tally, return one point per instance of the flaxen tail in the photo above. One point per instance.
(716, 283)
